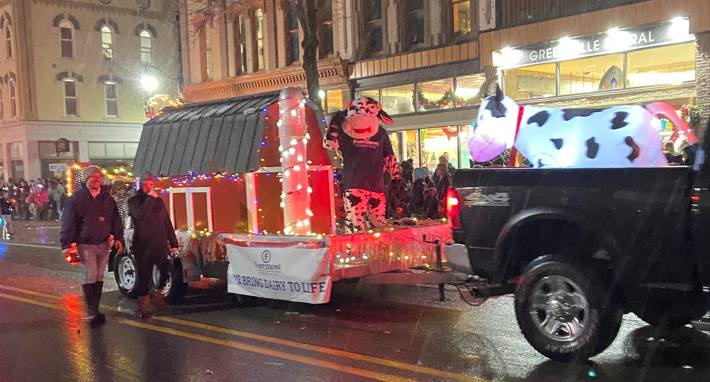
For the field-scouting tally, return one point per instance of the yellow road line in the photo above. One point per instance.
(272, 353)
(298, 345)
(236, 345)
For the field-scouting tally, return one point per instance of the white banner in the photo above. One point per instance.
(296, 271)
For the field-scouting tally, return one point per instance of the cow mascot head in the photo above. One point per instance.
(367, 152)
(617, 136)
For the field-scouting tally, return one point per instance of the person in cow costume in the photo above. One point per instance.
(366, 151)
(618, 136)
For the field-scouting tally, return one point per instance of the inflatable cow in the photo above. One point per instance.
(618, 136)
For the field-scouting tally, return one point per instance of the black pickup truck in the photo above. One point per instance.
(581, 247)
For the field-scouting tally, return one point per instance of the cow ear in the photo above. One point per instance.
(346, 105)
(384, 117)
(378, 106)
(499, 94)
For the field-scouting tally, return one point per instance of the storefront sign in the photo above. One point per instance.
(281, 273)
(56, 167)
(612, 41)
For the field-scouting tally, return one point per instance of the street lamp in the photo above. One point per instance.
(149, 83)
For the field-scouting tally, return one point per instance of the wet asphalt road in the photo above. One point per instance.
(385, 333)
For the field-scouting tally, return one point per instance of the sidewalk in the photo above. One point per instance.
(40, 232)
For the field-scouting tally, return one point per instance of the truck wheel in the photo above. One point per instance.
(126, 273)
(175, 289)
(564, 311)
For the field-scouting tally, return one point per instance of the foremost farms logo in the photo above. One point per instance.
(265, 265)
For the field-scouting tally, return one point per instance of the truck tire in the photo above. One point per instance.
(564, 311)
(175, 289)
(126, 273)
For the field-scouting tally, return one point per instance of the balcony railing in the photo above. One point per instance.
(520, 12)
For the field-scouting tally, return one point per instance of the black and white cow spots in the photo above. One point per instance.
(568, 114)
(592, 148)
(361, 205)
(635, 149)
(558, 142)
(364, 105)
(557, 137)
(619, 120)
(539, 118)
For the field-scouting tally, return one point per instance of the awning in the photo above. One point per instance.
(205, 138)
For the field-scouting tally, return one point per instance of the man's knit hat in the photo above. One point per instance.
(148, 176)
(91, 170)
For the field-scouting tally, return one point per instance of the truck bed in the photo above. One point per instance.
(640, 212)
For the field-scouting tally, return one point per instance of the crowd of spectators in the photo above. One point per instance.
(39, 199)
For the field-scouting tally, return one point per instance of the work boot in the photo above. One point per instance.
(158, 300)
(144, 307)
(99, 318)
(89, 298)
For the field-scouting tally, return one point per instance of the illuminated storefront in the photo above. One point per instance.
(636, 65)
(433, 110)
(660, 54)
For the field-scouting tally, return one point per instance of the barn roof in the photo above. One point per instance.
(205, 138)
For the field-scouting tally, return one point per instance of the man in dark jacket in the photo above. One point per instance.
(91, 221)
(152, 233)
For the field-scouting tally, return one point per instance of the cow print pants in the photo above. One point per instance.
(360, 204)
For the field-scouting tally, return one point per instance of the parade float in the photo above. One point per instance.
(253, 197)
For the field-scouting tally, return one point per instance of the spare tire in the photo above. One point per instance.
(126, 273)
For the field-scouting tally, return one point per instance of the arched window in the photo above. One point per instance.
(70, 108)
(8, 39)
(146, 52)
(107, 43)
(2, 110)
(66, 35)
(13, 101)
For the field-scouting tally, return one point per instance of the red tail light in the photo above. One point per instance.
(452, 209)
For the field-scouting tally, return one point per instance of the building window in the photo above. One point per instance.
(146, 50)
(398, 99)
(241, 39)
(70, 98)
(8, 40)
(437, 142)
(13, 101)
(436, 95)
(414, 23)
(592, 74)
(670, 65)
(2, 109)
(531, 81)
(373, 26)
(66, 35)
(468, 88)
(259, 26)
(333, 100)
(325, 28)
(462, 16)
(293, 51)
(111, 100)
(208, 50)
(372, 93)
(107, 43)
